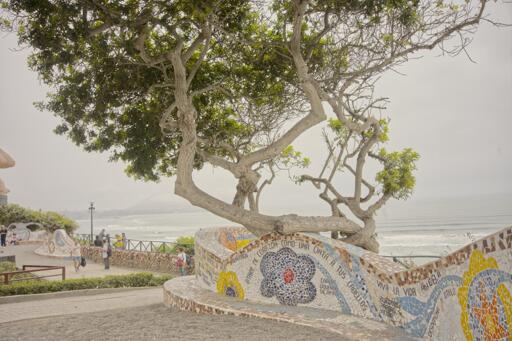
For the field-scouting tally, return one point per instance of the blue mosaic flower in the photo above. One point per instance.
(288, 277)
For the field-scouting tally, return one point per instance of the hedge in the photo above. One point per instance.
(10, 267)
(142, 279)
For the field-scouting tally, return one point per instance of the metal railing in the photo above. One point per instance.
(38, 268)
(133, 244)
(82, 237)
(149, 246)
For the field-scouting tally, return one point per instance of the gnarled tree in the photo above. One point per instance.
(169, 85)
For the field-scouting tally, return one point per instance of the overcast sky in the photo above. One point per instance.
(455, 113)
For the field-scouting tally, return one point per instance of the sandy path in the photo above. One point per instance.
(156, 322)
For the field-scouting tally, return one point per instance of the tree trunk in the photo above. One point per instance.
(247, 184)
(257, 223)
(366, 237)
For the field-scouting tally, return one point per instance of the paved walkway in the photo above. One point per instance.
(135, 315)
(25, 256)
(78, 304)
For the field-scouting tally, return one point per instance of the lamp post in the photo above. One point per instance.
(91, 208)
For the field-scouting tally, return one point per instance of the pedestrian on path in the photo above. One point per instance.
(102, 234)
(106, 253)
(118, 244)
(14, 239)
(125, 241)
(97, 241)
(3, 235)
(76, 255)
(181, 262)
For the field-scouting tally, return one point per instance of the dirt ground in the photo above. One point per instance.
(156, 322)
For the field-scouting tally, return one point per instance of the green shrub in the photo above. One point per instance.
(82, 242)
(50, 220)
(186, 242)
(10, 267)
(142, 279)
(7, 267)
(165, 248)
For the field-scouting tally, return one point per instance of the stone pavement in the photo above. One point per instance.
(183, 293)
(25, 256)
(45, 305)
(156, 322)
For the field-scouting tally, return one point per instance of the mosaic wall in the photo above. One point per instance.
(24, 235)
(56, 244)
(463, 296)
(153, 261)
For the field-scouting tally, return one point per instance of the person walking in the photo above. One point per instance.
(125, 241)
(3, 235)
(14, 239)
(181, 262)
(97, 241)
(102, 234)
(76, 255)
(118, 244)
(106, 253)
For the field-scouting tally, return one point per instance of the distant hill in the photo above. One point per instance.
(156, 204)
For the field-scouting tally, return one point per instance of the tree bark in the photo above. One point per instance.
(365, 238)
(185, 187)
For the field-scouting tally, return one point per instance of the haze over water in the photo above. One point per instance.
(415, 227)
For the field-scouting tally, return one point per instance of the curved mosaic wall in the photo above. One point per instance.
(463, 296)
(57, 244)
(148, 261)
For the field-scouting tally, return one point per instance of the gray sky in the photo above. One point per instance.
(456, 114)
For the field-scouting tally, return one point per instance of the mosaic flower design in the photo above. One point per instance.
(51, 247)
(235, 240)
(485, 301)
(228, 285)
(59, 239)
(287, 276)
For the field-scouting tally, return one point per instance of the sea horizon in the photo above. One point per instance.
(422, 227)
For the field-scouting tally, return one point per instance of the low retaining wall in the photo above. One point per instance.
(152, 261)
(463, 296)
(30, 242)
(10, 258)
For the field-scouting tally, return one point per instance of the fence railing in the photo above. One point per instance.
(37, 268)
(133, 244)
(82, 237)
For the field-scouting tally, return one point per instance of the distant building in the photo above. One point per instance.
(6, 161)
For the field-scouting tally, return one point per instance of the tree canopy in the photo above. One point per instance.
(169, 85)
(51, 221)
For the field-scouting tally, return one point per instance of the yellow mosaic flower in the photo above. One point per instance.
(242, 243)
(480, 311)
(228, 285)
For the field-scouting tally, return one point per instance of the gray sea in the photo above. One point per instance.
(415, 227)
